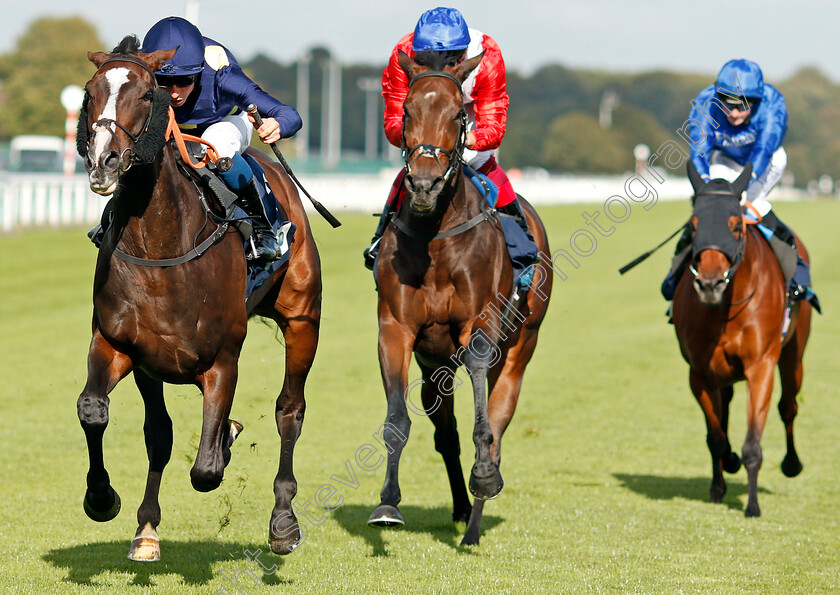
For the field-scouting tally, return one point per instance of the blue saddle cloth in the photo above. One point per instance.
(522, 250)
(259, 271)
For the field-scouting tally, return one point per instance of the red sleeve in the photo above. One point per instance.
(395, 90)
(490, 98)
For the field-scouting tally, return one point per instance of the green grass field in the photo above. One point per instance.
(606, 467)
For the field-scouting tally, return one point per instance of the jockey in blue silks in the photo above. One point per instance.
(209, 94)
(737, 120)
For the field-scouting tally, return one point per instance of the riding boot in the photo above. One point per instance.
(97, 233)
(669, 285)
(372, 251)
(263, 239)
(796, 270)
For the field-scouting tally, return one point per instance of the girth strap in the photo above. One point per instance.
(482, 216)
(169, 262)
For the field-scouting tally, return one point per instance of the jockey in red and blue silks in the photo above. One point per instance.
(741, 119)
(209, 94)
(485, 101)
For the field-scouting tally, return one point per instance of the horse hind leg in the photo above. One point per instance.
(301, 337)
(791, 373)
(437, 394)
(106, 367)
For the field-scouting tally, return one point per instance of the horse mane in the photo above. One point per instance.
(129, 45)
(439, 60)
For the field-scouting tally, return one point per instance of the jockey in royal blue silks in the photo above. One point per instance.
(209, 94)
(741, 119)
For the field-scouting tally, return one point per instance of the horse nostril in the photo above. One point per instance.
(109, 161)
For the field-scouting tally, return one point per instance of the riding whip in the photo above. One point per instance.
(252, 109)
(644, 256)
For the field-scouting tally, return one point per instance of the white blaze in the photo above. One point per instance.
(116, 78)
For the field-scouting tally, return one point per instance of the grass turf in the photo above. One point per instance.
(606, 467)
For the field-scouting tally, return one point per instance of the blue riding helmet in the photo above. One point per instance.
(175, 32)
(748, 75)
(441, 29)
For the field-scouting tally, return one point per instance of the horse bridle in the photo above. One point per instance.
(739, 255)
(109, 125)
(456, 155)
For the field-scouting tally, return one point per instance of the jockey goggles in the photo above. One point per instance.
(738, 102)
(181, 80)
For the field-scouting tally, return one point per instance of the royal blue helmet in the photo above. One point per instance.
(740, 77)
(175, 32)
(441, 29)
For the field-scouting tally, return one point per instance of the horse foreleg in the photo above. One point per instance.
(437, 394)
(759, 386)
(485, 479)
(716, 438)
(218, 385)
(301, 337)
(395, 346)
(157, 429)
(106, 367)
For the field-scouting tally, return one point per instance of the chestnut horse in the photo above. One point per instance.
(444, 279)
(729, 314)
(180, 321)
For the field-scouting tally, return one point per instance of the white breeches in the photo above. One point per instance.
(232, 134)
(723, 166)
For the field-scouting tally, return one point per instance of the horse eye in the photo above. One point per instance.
(148, 96)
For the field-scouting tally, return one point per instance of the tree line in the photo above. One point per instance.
(555, 120)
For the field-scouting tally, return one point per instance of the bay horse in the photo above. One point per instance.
(169, 298)
(729, 317)
(443, 275)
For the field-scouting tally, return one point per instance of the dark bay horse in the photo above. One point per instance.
(444, 280)
(181, 323)
(729, 310)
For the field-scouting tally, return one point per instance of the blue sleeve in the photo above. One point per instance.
(245, 92)
(771, 134)
(701, 133)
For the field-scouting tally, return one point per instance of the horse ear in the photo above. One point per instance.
(463, 70)
(693, 176)
(98, 58)
(408, 65)
(743, 180)
(157, 59)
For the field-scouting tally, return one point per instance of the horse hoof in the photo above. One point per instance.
(205, 482)
(386, 515)
(752, 511)
(732, 463)
(145, 549)
(284, 533)
(468, 540)
(107, 512)
(282, 547)
(486, 488)
(791, 466)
